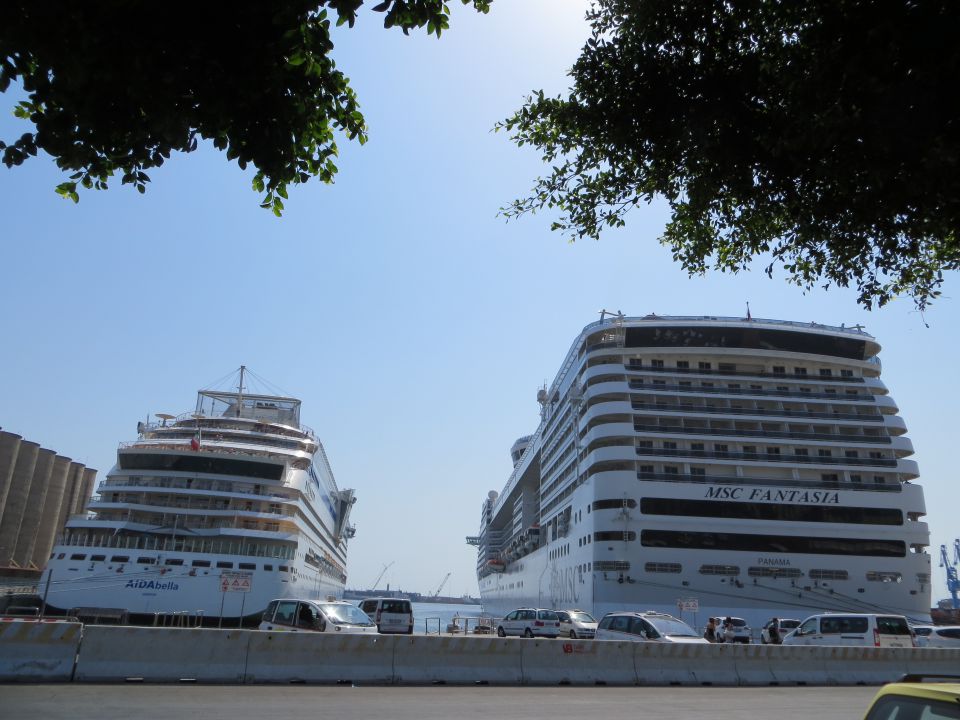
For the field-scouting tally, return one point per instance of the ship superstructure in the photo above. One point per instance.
(723, 466)
(212, 513)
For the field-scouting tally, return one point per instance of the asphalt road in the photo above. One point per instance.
(293, 702)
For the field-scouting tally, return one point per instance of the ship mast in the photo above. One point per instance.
(243, 369)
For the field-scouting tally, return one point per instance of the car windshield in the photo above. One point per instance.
(345, 614)
(788, 624)
(582, 617)
(547, 615)
(738, 622)
(672, 627)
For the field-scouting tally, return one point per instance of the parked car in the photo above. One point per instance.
(530, 622)
(391, 615)
(577, 624)
(943, 636)
(734, 630)
(915, 699)
(786, 625)
(315, 616)
(863, 629)
(647, 626)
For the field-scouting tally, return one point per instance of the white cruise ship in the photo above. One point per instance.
(210, 514)
(722, 466)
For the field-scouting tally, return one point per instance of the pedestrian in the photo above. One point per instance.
(710, 634)
(775, 637)
(729, 634)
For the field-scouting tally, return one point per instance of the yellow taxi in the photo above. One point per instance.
(916, 700)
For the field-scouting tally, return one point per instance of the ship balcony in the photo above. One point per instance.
(703, 373)
(711, 391)
(605, 387)
(749, 481)
(835, 439)
(886, 404)
(688, 409)
(876, 386)
(606, 407)
(723, 456)
(895, 424)
(623, 430)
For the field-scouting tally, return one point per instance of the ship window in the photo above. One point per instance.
(120, 558)
(824, 453)
(878, 576)
(614, 504)
(653, 567)
(656, 363)
(78, 556)
(856, 478)
(200, 563)
(643, 469)
(703, 365)
(826, 372)
(615, 536)
(799, 371)
(727, 367)
(773, 543)
(700, 472)
(146, 561)
(173, 561)
(829, 575)
(719, 570)
(800, 451)
(669, 445)
(851, 454)
(268, 568)
(284, 568)
(773, 451)
(779, 370)
(612, 566)
(846, 373)
(683, 364)
(223, 564)
(776, 508)
(774, 572)
(97, 558)
(247, 566)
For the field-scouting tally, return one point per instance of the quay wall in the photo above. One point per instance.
(36, 651)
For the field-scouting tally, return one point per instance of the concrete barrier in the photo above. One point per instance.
(863, 665)
(755, 664)
(577, 662)
(933, 661)
(159, 655)
(37, 651)
(458, 660)
(288, 657)
(685, 664)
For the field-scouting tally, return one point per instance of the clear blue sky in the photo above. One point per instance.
(414, 323)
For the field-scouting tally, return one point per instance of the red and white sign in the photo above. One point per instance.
(236, 581)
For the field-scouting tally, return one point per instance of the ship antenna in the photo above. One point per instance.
(243, 369)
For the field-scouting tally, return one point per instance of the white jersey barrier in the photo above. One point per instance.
(282, 657)
(38, 651)
(118, 654)
(419, 660)
(32, 652)
(576, 662)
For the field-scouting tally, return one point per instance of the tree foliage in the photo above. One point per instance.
(116, 86)
(823, 135)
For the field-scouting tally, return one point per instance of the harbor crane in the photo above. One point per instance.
(382, 573)
(953, 584)
(442, 583)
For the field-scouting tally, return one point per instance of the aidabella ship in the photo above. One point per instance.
(210, 514)
(724, 466)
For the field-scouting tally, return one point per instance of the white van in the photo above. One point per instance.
(392, 615)
(853, 629)
(315, 616)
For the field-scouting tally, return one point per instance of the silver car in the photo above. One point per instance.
(577, 624)
(647, 626)
(530, 622)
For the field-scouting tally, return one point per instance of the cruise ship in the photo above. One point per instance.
(711, 466)
(210, 515)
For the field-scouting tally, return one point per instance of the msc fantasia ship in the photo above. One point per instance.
(755, 468)
(212, 513)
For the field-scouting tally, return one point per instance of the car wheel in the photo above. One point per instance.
(573, 634)
(501, 632)
(528, 633)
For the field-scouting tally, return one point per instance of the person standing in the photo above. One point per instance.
(775, 637)
(710, 634)
(729, 634)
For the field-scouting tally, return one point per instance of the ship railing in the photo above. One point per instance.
(699, 409)
(767, 457)
(220, 448)
(178, 544)
(855, 330)
(835, 397)
(894, 487)
(763, 434)
(741, 373)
